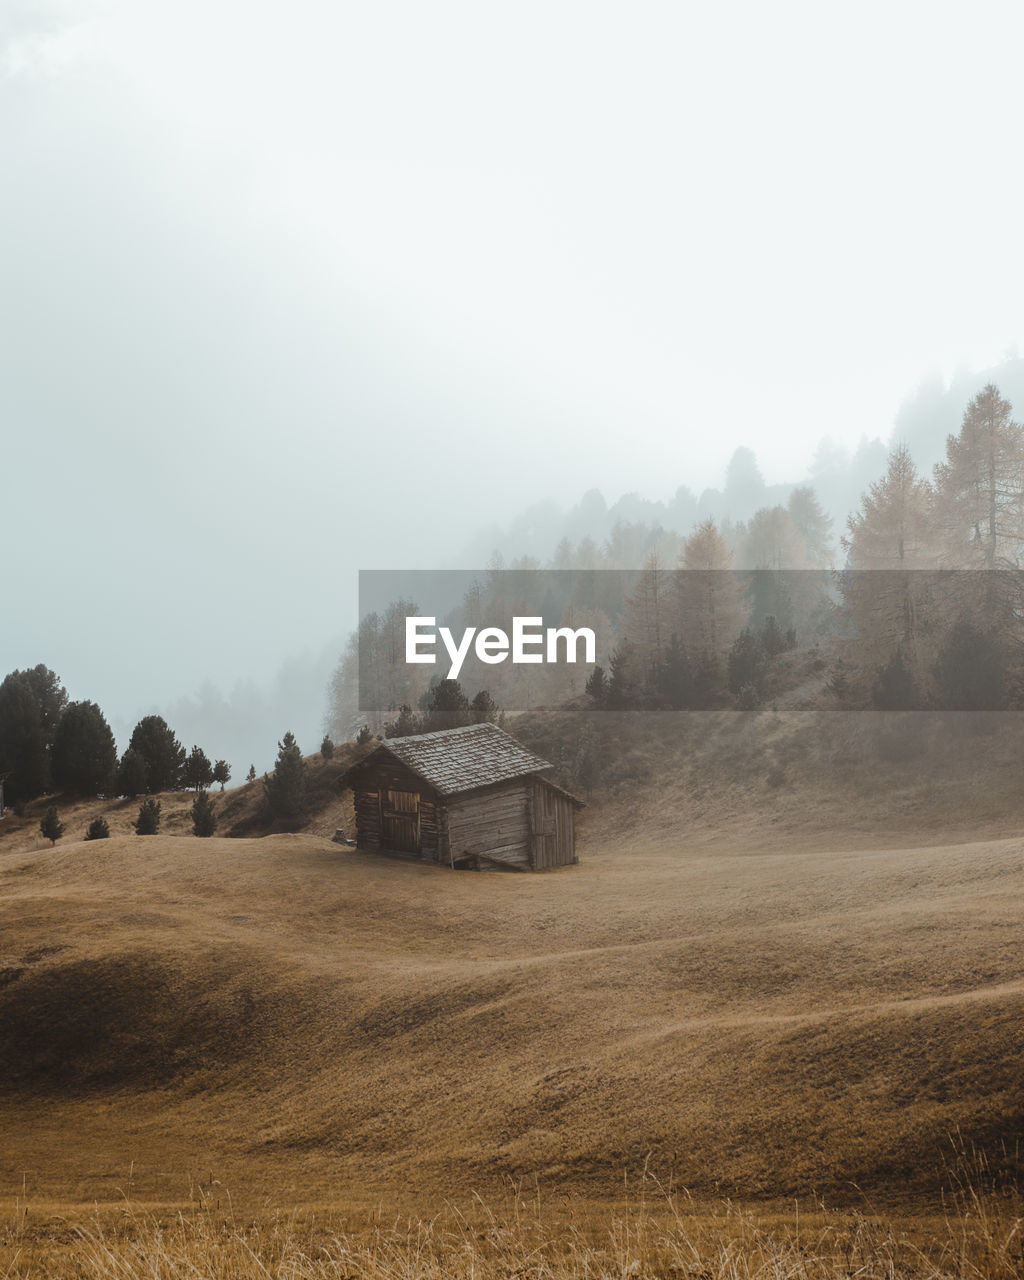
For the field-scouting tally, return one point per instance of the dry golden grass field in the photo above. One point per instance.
(758, 995)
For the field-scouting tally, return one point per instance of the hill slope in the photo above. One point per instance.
(287, 1013)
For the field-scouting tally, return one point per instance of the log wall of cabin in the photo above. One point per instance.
(553, 822)
(494, 822)
(390, 774)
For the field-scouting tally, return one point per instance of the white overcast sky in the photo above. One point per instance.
(294, 289)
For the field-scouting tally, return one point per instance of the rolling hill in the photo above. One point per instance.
(740, 987)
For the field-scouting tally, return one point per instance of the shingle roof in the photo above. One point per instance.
(454, 760)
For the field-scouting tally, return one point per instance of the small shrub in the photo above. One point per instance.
(98, 830)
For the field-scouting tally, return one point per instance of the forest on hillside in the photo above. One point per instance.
(917, 603)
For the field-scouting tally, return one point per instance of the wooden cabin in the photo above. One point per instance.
(470, 797)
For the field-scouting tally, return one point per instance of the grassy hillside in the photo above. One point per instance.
(770, 779)
(285, 1017)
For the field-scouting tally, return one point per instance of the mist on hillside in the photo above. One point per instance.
(838, 475)
(252, 342)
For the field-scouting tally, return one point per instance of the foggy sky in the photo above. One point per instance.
(293, 291)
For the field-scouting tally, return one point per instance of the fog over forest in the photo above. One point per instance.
(363, 286)
(244, 720)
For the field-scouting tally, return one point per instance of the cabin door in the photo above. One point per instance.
(400, 820)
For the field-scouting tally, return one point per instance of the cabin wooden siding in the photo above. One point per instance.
(379, 786)
(493, 823)
(553, 827)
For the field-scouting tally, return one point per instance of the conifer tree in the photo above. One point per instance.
(895, 689)
(131, 774)
(197, 773)
(164, 755)
(648, 616)
(405, 726)
(597, 686)
(748, 664)
(980, 486)
(50, 825)
(148, 821)
(222, 772)
(888, 599)
(969, 671)
(709, 610)
(623, 685)
(484, 709)
(204, 820)
(445, 706)
(84, 752)
(813, 526)
(285, 788)
(31, 705)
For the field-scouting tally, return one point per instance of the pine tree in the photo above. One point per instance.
(51, 826)
(405, 726)
(222, 772)
(131, 774)
(895, 689)
(597, 686)
(251, 775)
(84, 752)
(748, 664)
(164, 755)
(484, 709)
(98, 830)
(197, 773)
(969, 670)
(285, 788)
(623, 684)
(31, 705)
(148, 821)
(445, 706)
(204, 820)
(327, 747)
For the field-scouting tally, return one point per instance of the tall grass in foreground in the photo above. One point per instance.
(978, 1234)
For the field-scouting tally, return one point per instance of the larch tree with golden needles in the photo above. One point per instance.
(979, 488)
(887, 596)
(648, 619)
(709, 610)
(979, 507)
